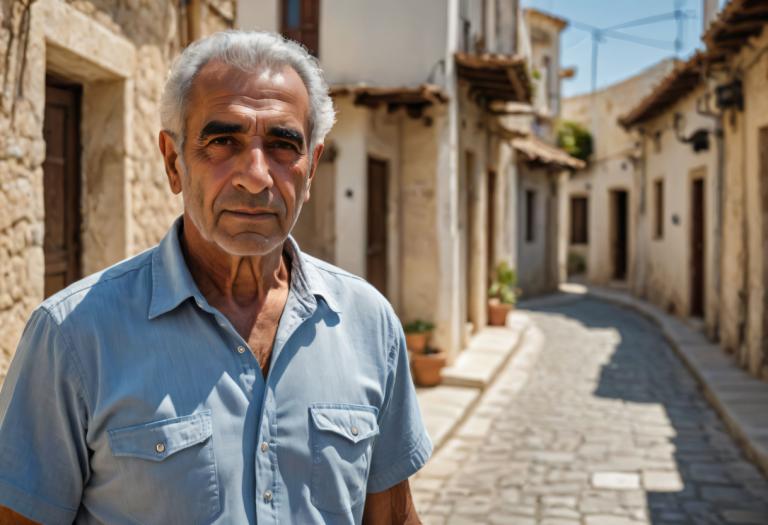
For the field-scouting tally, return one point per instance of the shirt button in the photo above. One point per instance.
(264, 446)
(354, 431)
(160, 448)
(240, 349)
(267, 496)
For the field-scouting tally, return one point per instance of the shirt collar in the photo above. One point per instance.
(306, 280)
(172, 283)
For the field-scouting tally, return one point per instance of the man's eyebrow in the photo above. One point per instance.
(217, 127)
(287, 133)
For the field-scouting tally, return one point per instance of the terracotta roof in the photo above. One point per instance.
(495, 77)
(560, 23)
(735, 25)
(413, 99)
(680, 82)
(537, 151)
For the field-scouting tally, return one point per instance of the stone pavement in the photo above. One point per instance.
(599, 425)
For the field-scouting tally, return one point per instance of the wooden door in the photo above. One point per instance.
(61, 186)
(491, 230)
(762, 144)
(469, 221)
(697, 248)
(621, 234)
(301, 22)
(376, 245)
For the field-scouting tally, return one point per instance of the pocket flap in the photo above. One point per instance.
(157, 440)
(354, 422)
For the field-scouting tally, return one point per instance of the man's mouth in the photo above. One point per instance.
(251, 213)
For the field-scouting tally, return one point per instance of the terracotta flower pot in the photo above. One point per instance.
(427, 367)
(417, 341)
(497, 312)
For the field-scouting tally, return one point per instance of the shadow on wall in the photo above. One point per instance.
(681, 455)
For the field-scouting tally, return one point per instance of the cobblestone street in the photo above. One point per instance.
(593, 422)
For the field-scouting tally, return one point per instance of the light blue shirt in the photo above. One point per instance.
(131, 400)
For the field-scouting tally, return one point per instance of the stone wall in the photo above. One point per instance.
(120, 52)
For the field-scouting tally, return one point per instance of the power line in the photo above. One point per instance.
(599, 34)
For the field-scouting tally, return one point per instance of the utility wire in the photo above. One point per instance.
(599, 34)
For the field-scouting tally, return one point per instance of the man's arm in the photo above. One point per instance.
(394, 506)
(9, 517)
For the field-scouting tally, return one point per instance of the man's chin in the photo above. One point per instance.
(249, 244)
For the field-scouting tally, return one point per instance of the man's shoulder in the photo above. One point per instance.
(105, 287)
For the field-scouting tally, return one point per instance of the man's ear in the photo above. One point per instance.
(316, 154)
(171, 159)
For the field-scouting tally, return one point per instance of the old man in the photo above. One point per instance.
(222, 376)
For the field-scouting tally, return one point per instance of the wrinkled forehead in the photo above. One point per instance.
(218, 84)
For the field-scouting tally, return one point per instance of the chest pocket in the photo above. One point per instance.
(342, 442)
(168, 469)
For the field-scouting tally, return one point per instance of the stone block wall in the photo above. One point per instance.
(34, 39)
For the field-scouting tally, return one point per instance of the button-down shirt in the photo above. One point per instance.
(132, 400)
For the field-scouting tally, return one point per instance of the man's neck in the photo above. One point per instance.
(225, 279)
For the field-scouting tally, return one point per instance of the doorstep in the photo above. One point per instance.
(446, 406)
(488, 351)
(739, 398)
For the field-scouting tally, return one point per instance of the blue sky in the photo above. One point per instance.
(618, 59)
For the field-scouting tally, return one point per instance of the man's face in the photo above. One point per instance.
(246, 155)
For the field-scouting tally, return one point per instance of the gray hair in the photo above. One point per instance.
(248, 51)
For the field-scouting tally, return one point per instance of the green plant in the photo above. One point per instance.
(504, 285)
(577, 263)
(575, 139)
(418, 326)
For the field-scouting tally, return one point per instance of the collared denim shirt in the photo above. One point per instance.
(131, 400)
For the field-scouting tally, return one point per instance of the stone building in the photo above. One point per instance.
(697, 163)
(737, 70)
(598, 218)
(677, 213)
(542, 168)
(82, 184)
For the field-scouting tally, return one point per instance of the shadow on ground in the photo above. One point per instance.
(713, 483)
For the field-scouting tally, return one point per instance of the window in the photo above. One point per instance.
(530, 215)
(658, 218)
(579, 218)
(300, 22)
(657, 142)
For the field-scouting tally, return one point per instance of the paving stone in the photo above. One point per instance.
(605, 426)
(615, 480)
(662, 481)
(744, 517)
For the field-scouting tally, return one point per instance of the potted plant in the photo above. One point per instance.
(417, 334)
(427, 366)
(502, 295)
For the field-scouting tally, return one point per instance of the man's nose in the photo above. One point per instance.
(253, 174)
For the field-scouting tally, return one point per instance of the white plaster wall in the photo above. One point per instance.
(351, 186)
(667, 279)
(392, 43)
(532, 258)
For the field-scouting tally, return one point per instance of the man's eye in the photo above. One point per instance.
(222, 141)
(284, 144)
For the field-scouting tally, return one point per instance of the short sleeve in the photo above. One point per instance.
(403, 445)
(43, 451)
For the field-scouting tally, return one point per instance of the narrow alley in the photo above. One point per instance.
(608, 428)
